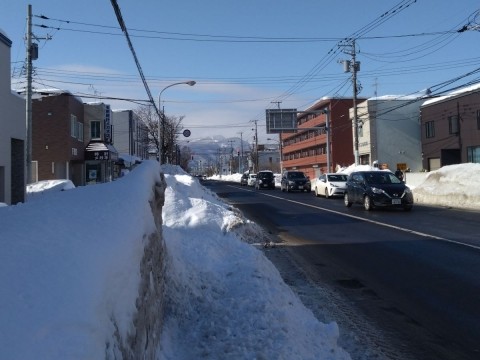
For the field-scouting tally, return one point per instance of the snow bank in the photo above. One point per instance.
(453, 185)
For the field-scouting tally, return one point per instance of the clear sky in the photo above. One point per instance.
(244, 55)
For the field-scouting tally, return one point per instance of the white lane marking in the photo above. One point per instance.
(368, 220)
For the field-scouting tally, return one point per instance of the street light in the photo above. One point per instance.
(161, 129)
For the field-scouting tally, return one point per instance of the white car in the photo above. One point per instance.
(330, 184)
(251, 179)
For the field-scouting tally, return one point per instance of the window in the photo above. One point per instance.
(478, 119)
(429, 129)
(95, 130)
(73, 126)
(80, 131)
(473, 154)
(453, 124)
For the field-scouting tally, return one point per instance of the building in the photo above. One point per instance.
(57, 136)
(269, 157)
(306, 150)
(101, 157)
(450, 128)
(389, 132)
(130, 134)
(12, 132)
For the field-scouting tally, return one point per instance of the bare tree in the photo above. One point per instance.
(173, 126)
(184, 155)
(150, 118)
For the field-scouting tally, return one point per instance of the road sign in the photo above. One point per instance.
(281, 120)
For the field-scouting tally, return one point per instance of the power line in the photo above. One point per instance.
(130, 45)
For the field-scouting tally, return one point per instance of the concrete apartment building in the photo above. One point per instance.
(389, 132)
(12, 132)
(450, 127)
(130, 134)
(307, 150)
(57, 137)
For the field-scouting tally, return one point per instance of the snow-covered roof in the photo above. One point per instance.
(461, 92)
(39, 93)
(395, 97)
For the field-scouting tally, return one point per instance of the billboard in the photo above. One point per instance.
(281, 120)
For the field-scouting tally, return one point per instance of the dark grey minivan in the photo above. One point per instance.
(377, 189)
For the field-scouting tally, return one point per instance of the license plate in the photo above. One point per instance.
(300, 187)
(396, 201)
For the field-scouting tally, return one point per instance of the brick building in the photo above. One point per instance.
(450, 128)
(57, 137)
(307, 150)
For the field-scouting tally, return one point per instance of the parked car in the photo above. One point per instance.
(295, 180)
(265, 179)
(377, 189)
(244, 180)
(330, 184)
(251, 179)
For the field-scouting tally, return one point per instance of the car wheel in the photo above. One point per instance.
(281, 188)
(346, 200)
(326, 193)
(316, 192)
(367, 203)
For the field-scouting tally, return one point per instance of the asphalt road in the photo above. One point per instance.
(414, 275)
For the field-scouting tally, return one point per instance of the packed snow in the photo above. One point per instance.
(70, 261)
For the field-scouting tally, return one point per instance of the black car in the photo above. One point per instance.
(295, 180)
(244, 180)
(377, 189)
(265, 179)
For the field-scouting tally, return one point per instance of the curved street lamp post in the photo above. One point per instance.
(280, 150)
(161, 129)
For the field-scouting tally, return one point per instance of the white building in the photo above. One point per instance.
(389, 132)
(12, 132)
(130, 134)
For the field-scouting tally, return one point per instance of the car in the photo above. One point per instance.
(265, 179)
(244, 180)
(330, 184)
(295, 180)
(379, 188)
(251, 179)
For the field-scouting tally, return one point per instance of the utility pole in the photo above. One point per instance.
(353, 66)
(32, 54)
(230, 160)
(240, 160)
(327, 133)
(256, 146)
(276, 102)
(28, 103)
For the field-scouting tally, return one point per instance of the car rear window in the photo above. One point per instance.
(296, 175)
(337, 177)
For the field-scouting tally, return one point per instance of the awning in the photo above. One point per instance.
(99, 150)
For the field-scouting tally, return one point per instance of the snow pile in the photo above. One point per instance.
(69, 264)
(40, 188)
(226, 300)
(453, 185)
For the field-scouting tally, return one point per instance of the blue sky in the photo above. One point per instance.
(244, 55)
